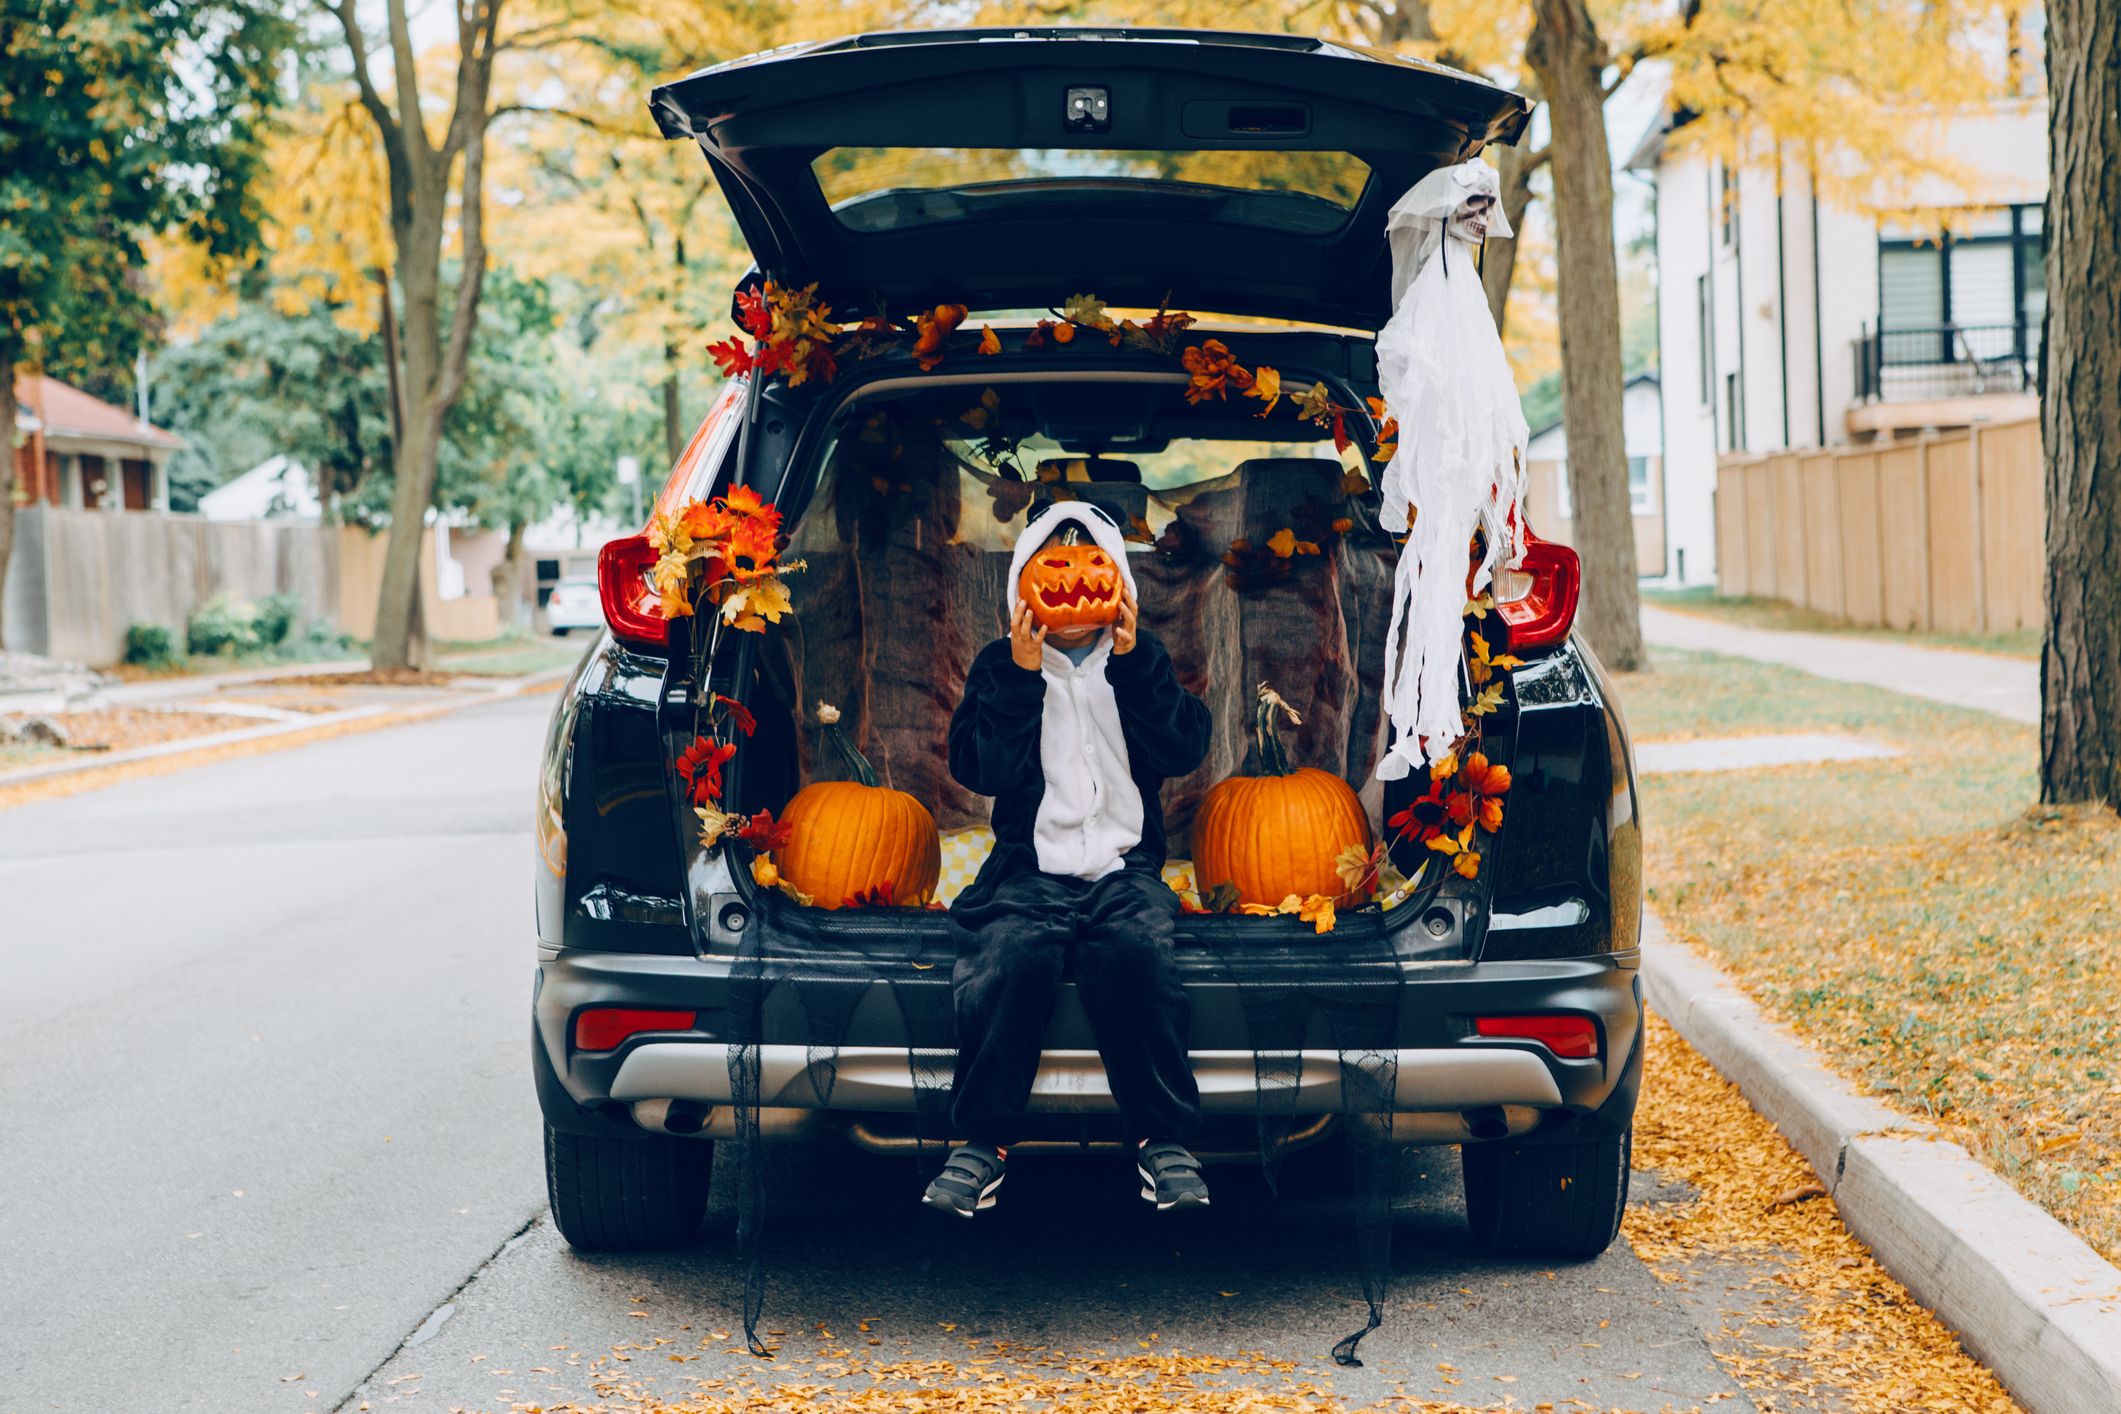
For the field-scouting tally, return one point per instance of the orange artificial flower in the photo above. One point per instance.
(1215, 371)
(935, 328)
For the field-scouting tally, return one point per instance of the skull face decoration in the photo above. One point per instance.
(1470, 221)
(1070, 583)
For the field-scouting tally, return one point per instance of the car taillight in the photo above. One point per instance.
(1538, 598)
(1575, 1037)
(605, 1028)
(630, 605)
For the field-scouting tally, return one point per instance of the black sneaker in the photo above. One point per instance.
(1170, 1176)
(967, 1183)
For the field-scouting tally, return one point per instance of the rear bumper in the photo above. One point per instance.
(1448, 1084)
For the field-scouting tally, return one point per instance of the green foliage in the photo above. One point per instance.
(219, 627)
(150, 645)
(275, 618)
(262, 382)
(320, 640)
(120, 119)
(541, 423)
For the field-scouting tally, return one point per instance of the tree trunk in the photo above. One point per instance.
(1567, 55)
(400, 639)
(1498, 260)
(432, 361)
(508, 576)
(2080, 419)
(673, 410)
(7, 476)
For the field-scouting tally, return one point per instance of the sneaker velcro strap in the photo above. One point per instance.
(974, 1168)
(1168, 1161)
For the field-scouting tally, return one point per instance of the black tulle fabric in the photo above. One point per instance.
(881, 977)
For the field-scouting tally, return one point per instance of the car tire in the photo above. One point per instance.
(1547, 1200)
(626, 1194)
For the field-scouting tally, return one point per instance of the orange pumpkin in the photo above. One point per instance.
(1277, 833)
(1071, 586)
(857, 839)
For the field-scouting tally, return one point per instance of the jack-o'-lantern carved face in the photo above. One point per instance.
(1071, 583)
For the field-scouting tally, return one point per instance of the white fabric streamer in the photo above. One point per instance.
(1460, 464)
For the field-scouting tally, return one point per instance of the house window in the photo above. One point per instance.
(1701, 320)
(1639, 486)
(1727, 204)
(1976, 290)
(1733, 414)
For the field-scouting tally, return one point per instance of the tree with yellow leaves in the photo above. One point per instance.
(606, 202)
(1829, 79)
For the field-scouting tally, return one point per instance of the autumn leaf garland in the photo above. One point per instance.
(735, 538)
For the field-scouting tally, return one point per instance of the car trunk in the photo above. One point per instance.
(904, 518)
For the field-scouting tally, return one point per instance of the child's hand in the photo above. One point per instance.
(1123, 631)
(1027, 639)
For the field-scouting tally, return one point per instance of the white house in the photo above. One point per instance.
(278, 488)
(1551, 506)
(1786, 321)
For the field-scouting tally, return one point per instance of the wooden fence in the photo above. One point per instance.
(1940, 533)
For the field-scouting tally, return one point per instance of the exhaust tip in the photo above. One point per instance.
(1487, 1122)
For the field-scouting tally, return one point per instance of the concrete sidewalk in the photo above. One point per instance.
(1985, 682)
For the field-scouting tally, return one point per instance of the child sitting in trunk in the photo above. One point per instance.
(1072, 730)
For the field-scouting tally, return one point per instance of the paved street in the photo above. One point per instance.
(263, 1076)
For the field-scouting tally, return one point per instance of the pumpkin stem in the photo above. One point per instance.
(829, 717)
(1273, 756)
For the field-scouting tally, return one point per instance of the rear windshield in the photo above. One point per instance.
(1311, 191)
(1254, 563)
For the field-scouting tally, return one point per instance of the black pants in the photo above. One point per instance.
(1012, 949)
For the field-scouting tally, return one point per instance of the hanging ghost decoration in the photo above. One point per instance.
(1460, 464)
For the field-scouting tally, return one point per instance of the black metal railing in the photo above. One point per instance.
(1953, 360)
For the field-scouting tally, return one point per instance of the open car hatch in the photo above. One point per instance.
(1007, 168)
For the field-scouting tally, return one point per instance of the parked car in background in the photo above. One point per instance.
(574, 604)
(1244, 178)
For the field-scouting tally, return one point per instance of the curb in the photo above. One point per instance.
(167, 756)
(2028, 1298)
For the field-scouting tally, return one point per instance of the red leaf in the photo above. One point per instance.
(753, 314)
(766, 834)
(731, 357)
(739, 714)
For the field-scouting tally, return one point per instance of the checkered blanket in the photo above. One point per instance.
(964, 851)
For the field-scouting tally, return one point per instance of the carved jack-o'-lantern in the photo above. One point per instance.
(1071, 583)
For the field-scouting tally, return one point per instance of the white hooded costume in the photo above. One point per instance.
(1460, 464)
(1091, 812)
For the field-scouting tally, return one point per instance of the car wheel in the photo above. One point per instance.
(1547, 1200)
(626, 1193)
(559, 631)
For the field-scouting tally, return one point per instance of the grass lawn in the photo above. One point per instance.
(1778, 614)
(508, 657)
(1936, 934)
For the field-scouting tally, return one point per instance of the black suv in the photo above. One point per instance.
(1244, 178)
